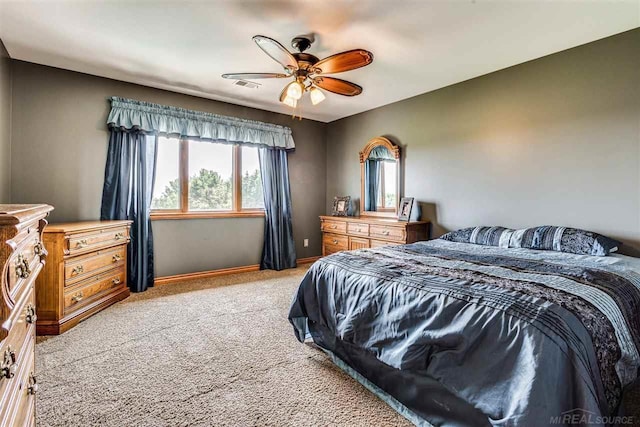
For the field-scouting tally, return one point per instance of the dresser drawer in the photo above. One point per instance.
(87, 291)
(27, 231)
(328, 250)
(358, 243)
(23, 264)
(380, 243)
(19, 408)
(334, 226)
(18, 346)
(386, 232)
(335, 242)
(24, 416)
(358, 229)
(77, 269)
(91, 241)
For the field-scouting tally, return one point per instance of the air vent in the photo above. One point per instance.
(247, 84)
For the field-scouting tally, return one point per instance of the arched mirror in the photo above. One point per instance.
(379, 178)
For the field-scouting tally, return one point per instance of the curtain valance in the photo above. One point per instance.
(155, 118)
(380, 153)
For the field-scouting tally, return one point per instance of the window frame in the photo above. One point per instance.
(236, 211)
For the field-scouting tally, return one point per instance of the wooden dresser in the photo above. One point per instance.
(342, 233)
(86, 271)
(22, 256)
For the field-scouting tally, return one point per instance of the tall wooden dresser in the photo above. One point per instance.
(85, 273)
(22, 256)
(345, 233)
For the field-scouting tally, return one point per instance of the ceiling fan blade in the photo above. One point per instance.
(345, 61)
(341, 87)
(249, 76)
(276, 51)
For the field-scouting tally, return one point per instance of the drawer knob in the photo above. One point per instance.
(22, 267)
(77, 270)
(119, 236)
(116, 258)
(38, 249)
(82, 243)
(33, 384)
(385, 232)
(116, 281)
(9, 365)
(77, 297)
(30, 314)
(334, 226)
(335, 242)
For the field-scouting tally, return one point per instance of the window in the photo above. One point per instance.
(252, 197)
(386, 198)
(204, 179)
(210, 176)
(166, 190)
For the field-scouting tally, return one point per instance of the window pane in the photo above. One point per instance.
(251, 181)
(166, 192)
(390, 184)
(210, 181)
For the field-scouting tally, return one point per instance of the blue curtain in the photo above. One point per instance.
(127, 191)
(279, 251)
(372, 184)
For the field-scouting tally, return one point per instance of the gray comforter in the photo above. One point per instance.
(464, 334)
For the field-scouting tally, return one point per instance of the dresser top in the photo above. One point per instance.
(15, 214)
(71, 227)
(371, 220)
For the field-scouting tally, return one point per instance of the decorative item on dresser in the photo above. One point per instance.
(86, 272)
(406, 205)
(349, 233)
(21, 257)
(341, 205)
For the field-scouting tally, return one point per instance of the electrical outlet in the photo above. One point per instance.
(306, 243)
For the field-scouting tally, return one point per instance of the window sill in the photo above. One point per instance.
(204, 215)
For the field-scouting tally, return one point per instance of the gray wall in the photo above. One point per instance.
(59, 149)
(5, 125)
(554, 141)
(551, 141)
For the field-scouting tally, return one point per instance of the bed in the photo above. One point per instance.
(471, 335)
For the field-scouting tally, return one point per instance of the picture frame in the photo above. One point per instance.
(341, 205)
(404, 209)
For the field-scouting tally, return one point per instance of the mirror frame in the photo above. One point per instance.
(364, 154)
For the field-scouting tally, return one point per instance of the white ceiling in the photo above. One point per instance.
(418, 46)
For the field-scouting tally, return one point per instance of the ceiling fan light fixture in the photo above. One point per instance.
(294, 90)
(316, 95)
(291, 102)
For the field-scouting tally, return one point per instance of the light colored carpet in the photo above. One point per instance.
(215, 352)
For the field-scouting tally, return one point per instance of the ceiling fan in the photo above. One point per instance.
(307, 70)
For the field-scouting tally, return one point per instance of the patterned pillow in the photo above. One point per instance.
(488, 236)
(564, 239)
